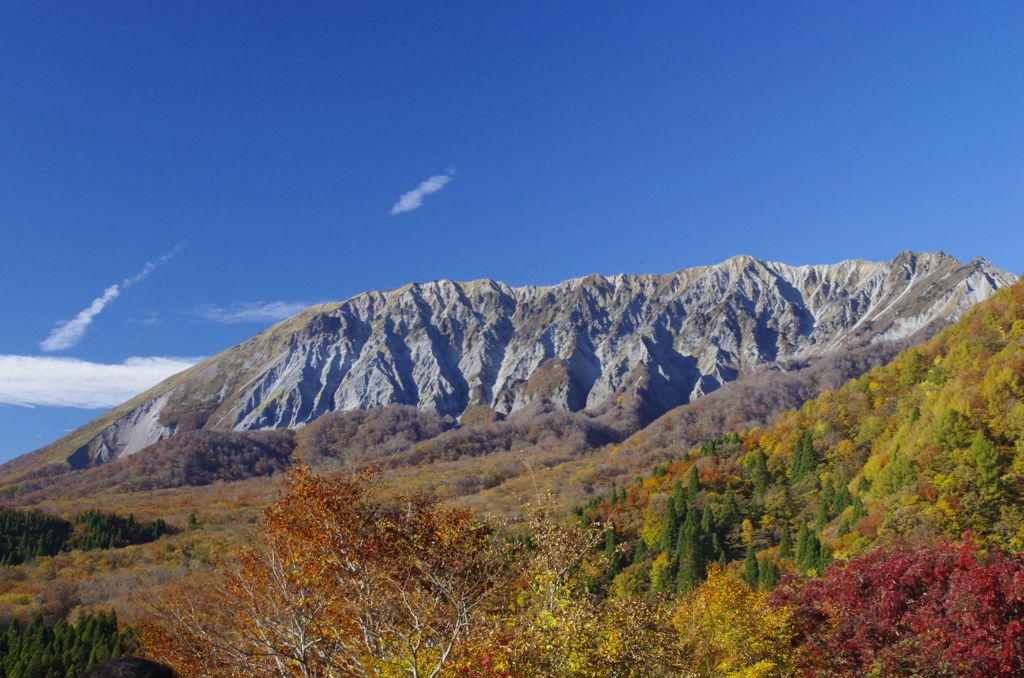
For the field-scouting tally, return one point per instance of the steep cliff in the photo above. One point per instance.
(450, 346)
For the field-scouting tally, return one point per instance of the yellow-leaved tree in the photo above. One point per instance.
(554, 626)
(728, 630)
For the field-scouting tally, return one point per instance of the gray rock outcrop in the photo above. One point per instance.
(447, 346)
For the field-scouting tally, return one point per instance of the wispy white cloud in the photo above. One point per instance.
(414, 198)
(148, 268)
(258, 312)
(68, 382)
(68, 333)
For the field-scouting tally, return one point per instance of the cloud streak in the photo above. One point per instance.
(414, 198)
(257, 312)
(148, 268)
(68, 382)
(68, 333)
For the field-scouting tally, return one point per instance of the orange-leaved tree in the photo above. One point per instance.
(334, 584)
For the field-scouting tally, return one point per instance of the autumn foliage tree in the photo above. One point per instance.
(726, 628)
(931, 611)
(554, 624)
(334, 584)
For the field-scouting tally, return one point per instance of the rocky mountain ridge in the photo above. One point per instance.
(585, 343)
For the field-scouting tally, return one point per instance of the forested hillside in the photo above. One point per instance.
(913, 453)
(874, 531)
(687, 547)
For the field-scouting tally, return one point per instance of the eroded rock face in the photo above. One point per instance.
(447, 346)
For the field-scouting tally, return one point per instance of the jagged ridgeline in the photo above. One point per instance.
(627, 348)
(920, 451)
(25, 535)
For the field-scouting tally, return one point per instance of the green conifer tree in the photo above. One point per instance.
(785, 542)
(693, 559)
(768, 574)
(750, 570)
(692, 487)
(842, 499)
(669, 527)
(824, 557)
(640, 552)
(821, 518)
(802, 546)
(859, 511)
(679, 496)
(759, 473)
(729, 514)
(828, 494)
(863, 486)
(844, 528)
(802, 463)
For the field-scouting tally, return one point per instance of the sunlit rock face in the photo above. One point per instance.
(447, 345)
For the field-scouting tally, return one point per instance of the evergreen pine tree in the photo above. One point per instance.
(729, 514)
(679, 496)
(669, 527)
(803, 459)
(821, 518)
(614, 561)
(859, 511)
(693, 560)
(768, 574)
(828, 495)
(785, 542)
(824, 557)
(640, 552)
(707, 522)
(863, 485)
(802, 546)
(681, 542)
(750, 571)
(759, 473)
(692, 486)
(842, 499)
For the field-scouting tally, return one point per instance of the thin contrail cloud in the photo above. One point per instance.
(414, 198)
(148, 268)
(68, 333)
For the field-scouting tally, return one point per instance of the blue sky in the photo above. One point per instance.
(249, 158)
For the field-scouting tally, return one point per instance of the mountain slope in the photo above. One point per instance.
(658, 341)
(915, 452)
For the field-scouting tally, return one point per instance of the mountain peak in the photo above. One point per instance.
(587, 343)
